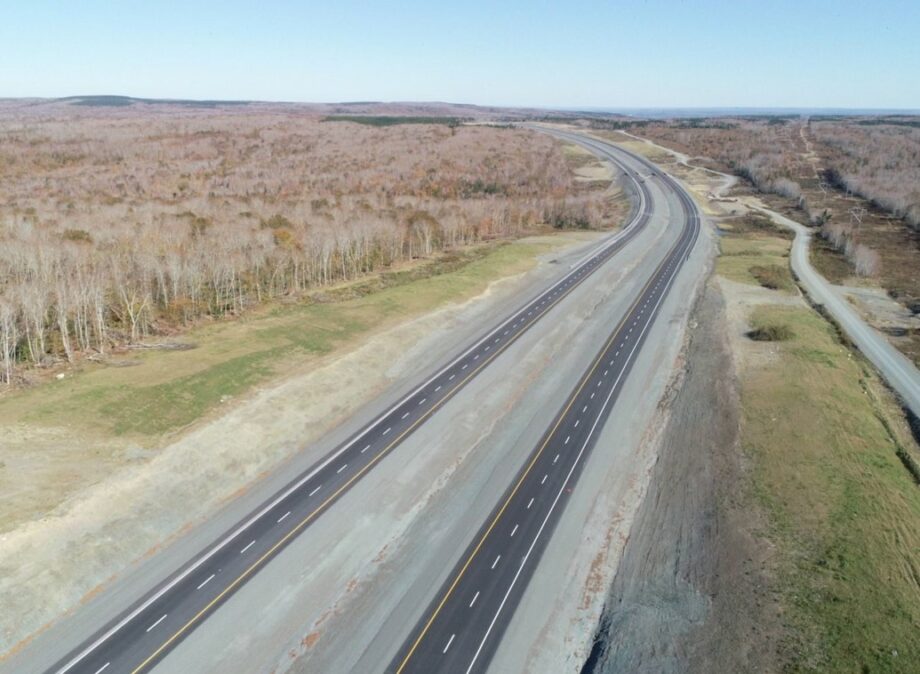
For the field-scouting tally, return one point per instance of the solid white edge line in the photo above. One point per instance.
(331, 458)
(569, 475)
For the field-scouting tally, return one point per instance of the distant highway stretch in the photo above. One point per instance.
(463, 626)
(138, 638)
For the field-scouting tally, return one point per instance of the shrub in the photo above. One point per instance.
(771, 332)
(772, 276)
(77, 236)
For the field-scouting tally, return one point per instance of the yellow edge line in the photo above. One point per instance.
(533, 461)
(386, 450)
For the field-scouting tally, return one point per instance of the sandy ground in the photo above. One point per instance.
(136, 511)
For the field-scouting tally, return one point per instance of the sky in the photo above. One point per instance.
(574, 54)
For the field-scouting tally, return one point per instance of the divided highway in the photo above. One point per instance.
(463, 626)
(143, 634)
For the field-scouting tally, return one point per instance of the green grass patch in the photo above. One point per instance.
(844, 512)
(159, 392)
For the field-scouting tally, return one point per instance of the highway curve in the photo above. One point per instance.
(144, 633)
(462, 627)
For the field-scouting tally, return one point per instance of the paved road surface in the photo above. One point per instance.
(900, 373)
(464, 624)
(136, 640)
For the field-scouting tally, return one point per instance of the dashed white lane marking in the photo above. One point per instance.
(567, 438)
(487, 348)
(422, 401)
(599, 383)
(162, 618)
(386, 431)
(592, 395)
(530, 503)
(103, 668)
(497, 339)
(495, 563)
(208, 579)
(316, 490)
(475, 597)
(605, 372)
(465, 365)
(284, 517)
(554, 461)
(476, 357)
(449, 642)
(576, 423)
(544, 478)
(451, 377)
(437, 388)
(506, 332)
(513, 531)
(365, 449)
(405, 415)
(251, 543)
(616, 354)
(584, 409)
(344, 466)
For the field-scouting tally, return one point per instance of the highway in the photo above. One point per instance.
(138, 638)
(463, 625)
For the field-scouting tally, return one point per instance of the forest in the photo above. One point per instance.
(117, 224)
(856, 179)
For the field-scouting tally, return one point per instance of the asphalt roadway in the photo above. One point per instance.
(135, 640)
(464, 623)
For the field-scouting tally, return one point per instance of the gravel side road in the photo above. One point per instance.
(898, 371)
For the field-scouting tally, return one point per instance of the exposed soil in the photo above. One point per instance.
(693, 591)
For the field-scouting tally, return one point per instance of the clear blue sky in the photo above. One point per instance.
(653, 53)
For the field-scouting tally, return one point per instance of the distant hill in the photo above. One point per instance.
(109, 101)
(380, 109)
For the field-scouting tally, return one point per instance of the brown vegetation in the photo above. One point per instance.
(117, 223)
